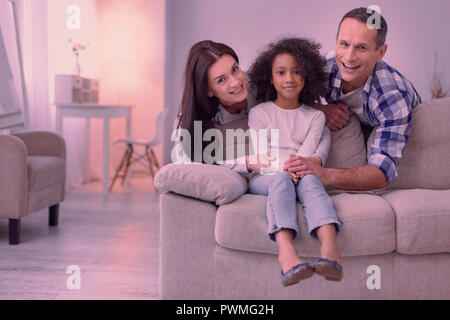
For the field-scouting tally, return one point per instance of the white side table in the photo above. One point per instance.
(105, 112)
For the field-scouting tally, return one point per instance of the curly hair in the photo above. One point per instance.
(306, 54)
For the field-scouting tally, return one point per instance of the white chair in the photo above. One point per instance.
(131, 156)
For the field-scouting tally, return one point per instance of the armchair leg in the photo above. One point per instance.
(53, 214)
(14, 231)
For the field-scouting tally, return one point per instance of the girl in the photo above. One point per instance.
(288, 77)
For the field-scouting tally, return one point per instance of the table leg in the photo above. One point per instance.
(87, 149)
(59, 121)
(105, 154)
(129, 125)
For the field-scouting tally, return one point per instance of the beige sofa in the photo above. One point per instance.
(395, 243)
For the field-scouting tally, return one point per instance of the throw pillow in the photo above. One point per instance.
(206, 182)
(347, 149)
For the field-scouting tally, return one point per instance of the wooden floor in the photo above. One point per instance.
(114, 240)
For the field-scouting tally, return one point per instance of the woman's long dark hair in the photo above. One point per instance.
(196, 105)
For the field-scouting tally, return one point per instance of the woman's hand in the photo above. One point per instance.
(258, 162)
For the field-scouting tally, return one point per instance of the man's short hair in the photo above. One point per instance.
(361, 15)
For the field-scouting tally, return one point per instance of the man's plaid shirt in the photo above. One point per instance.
(388, 102)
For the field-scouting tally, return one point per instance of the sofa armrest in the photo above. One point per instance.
(44, 143)
(13, 177)
(187, 228)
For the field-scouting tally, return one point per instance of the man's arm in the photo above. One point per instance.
(361, 178)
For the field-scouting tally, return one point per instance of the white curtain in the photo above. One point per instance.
(32, 16)
(12, 105)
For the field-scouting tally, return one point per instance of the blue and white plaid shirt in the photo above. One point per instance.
(388, 102)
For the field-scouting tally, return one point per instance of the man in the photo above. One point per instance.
(377, 93)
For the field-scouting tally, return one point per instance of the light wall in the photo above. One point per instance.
(131, 48)
(126, 51)
(417, 29)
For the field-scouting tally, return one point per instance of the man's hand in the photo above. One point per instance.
(366, 177)
(336, 115)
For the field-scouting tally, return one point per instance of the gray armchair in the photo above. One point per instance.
(32, 177)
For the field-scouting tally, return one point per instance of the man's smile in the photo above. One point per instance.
(350, 68)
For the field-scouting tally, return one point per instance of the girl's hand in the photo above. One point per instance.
(292, 175)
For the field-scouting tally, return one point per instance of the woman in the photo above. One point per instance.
(216, 91)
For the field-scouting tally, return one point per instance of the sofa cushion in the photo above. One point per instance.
(422, 220)
(206, 182)
(424, 163)
(347, 149)
(45, 171)
(368, 226)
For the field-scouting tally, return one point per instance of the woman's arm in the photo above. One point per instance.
(180, 155)
(239, 165)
